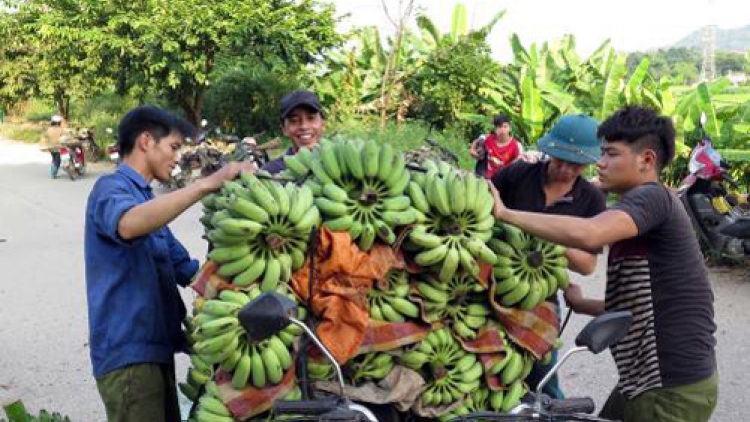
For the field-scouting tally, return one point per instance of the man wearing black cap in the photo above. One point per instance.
(555, 186)
(302, 122)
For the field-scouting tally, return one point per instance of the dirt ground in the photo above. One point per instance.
(44, 356)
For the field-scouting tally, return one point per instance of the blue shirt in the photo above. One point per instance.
(135, 310)
(278, 165)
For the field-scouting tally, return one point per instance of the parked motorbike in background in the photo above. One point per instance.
(721, 219)
(113, 151)
(86, 138)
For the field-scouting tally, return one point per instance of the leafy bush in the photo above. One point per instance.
(107, 104)
(244, 100)
(36, 110)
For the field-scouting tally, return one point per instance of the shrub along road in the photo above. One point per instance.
(43, 336)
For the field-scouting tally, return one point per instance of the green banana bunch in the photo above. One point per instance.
(460, 303)
(259, 229)
(450, 371)
(455, 220)
(476, 401)
(516, 365)
(218, 339)
(369, 367)
(319, 370)
(392, 304)
(359, 187)
(211, 408)
(528, 270)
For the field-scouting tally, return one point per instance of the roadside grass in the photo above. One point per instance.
(23, 132)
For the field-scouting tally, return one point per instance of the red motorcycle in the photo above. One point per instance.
(73, 159)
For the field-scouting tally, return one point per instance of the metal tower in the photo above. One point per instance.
(708, 69)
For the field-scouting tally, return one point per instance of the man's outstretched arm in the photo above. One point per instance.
(588, 234)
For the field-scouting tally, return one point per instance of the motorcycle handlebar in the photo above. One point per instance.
(572, 405)
(306, 407)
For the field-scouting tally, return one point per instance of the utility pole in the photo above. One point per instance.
(708, 68)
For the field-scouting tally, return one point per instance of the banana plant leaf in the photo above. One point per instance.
(532, 111)
(458, 22)
(613, 87)
(636, 80)
(521, 56)
(740, 155)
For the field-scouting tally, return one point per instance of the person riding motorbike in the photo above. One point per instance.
(53, 140)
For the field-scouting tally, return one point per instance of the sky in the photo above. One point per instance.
(631, 25)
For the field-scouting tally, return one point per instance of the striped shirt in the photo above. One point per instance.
(660, 278)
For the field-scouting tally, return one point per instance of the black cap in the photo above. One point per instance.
(299, 98)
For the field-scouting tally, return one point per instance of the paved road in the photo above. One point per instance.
(43, 330)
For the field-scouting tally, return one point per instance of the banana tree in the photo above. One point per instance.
(544, 83)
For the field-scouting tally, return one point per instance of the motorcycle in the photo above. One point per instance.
(73, 159)
(113, 151)
(271, 312)
(721, 220)
(85, 137)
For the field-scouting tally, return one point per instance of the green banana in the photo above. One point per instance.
(214, 405)
(418, 197)
(258, 371)
(251, 274)
(431, 256)
(203, 415)
(331, 208)
(272, 275)
(272, 366)
(235, 267)
(228, 253)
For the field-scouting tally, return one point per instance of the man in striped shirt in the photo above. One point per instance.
(666, 362)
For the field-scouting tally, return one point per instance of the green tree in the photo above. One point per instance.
(167, 47)
(450, 80)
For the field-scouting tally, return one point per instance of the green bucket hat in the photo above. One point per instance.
(573, 139)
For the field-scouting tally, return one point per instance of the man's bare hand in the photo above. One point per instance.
(228, 172)
(500, 208)
(573, 296)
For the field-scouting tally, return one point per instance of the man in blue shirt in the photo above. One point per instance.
(134, 265)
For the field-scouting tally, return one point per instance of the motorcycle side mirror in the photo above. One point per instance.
(600, 333)
(604, 331)
(265, 316)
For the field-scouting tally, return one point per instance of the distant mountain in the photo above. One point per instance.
(734, 39)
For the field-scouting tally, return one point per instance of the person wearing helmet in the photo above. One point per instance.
(555, 186)
(52, 138)
(667, 360)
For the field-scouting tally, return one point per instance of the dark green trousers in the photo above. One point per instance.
(139, 393)
(685, 403)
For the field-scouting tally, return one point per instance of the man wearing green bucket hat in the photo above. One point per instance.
(555, 186)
